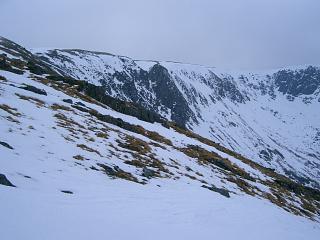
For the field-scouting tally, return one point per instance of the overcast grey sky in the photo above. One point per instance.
(239, 34)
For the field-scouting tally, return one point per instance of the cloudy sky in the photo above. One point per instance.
(237, 34)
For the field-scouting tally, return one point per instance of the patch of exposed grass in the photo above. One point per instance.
(34, 89)
(136, 163)
(102, 135)
(34, 100)
(136, 145)
(125, 125)
(68, 138)
(155, 144)
(78, 157)
(11, 119)
(157, 137)
(243, 185)
(206, 157)
(310, 207)
(155, 163)
(88, 149)
(190, 176)
(56, 107)
(91, 139)
(117, 172)
(221, 191)
(10, 110)
(71, 125)
(149, 161)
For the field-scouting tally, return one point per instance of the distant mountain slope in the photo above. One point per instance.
(271, 117)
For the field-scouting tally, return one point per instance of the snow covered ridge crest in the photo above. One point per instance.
(99, 138)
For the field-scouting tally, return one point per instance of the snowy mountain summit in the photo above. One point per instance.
(93, 143)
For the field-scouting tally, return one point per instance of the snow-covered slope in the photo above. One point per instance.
(80, 166)
(75, 166)
(271, 117)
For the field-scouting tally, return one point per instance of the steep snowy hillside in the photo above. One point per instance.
(76, 163)
(271, 117)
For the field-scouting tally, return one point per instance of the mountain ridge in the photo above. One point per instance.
(188, 96)
(237, 88)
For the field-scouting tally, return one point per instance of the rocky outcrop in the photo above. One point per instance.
(4, 181)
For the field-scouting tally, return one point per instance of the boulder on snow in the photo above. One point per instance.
(67, 191)
(4, 181)
(6, 145)
(221, 191)
(80, 104)
(68, 100)
(148, 173)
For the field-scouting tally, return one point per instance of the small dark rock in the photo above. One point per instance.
(148, 173)
(80, 104)
(116, 168)
(108, 170)
(221, 191)
(34, 90)
(188, 169)
(94, 168)
(116, 172)
(68, 101)
(165, 124)
(4, 181)
(6, 145)
(67, 191)
(232, 124)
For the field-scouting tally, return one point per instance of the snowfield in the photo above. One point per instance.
(104, 209)
(42, 165)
